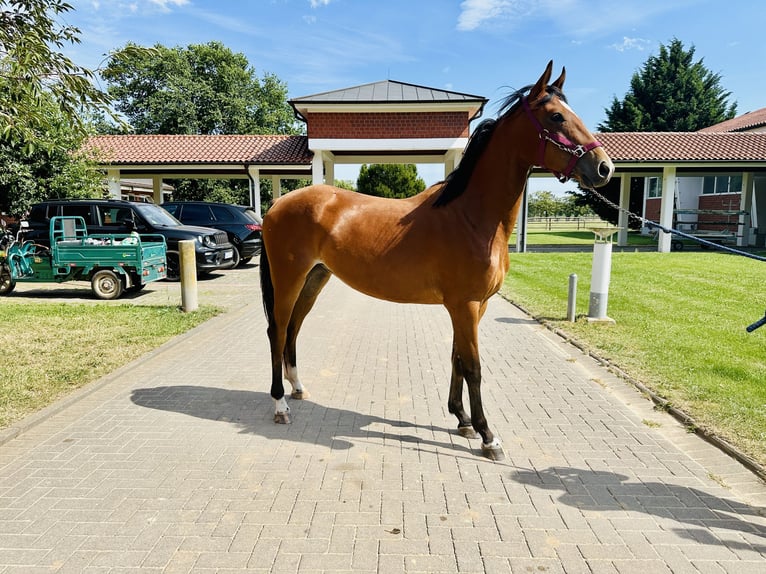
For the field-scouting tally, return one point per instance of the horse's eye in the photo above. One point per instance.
(558, 118)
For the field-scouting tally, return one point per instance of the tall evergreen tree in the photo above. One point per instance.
(671, 93)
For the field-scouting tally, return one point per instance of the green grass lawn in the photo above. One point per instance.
(680, 328)
(50, 350)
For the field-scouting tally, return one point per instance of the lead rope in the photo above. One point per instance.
(750, 328)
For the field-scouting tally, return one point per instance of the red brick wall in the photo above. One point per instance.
(392, 125)
(717, 222)
(705, 221)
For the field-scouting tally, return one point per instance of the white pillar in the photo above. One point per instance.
(745, 204)
(157, 189)
(329, 169)
(254, 175)
(666, 207)
(317, 167)
(113, 183)
(276, 186)
(622, 218)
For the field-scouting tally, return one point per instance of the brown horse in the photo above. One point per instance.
(447, 245)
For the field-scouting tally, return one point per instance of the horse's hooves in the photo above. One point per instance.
(282, 418)
(466, 432)
(299, 395)
(493, 452)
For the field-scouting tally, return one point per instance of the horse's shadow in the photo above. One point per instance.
(603, 491)
(252, 413)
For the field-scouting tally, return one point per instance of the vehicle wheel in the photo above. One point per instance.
(7, 284)
(236, 258)
(173, 265)
(106, 284)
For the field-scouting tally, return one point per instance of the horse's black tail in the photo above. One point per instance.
(267, 286)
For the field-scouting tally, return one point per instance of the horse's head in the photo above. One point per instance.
(573, 151)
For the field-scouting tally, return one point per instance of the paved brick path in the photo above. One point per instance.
(173, 464)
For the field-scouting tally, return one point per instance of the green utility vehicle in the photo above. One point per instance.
(113, 263)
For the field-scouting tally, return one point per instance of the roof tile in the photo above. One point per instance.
(196, 149)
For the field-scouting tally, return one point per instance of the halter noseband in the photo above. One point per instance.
(577, 150)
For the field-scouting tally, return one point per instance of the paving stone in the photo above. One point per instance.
(173, 463)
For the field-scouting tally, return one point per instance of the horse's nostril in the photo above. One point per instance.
(605, 169)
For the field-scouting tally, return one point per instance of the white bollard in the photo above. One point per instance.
(572, 298)
(600, 275)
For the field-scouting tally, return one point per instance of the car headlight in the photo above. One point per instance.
(208, 241)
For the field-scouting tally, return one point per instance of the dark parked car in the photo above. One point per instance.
(212, 248)
(241, 224)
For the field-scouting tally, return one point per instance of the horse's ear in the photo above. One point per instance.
(559, 83)
(542, 83)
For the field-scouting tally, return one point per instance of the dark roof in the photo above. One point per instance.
(200, 149)
(745, 122)
(386, 92)
(684, 146)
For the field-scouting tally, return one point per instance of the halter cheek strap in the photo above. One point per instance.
(576, 150)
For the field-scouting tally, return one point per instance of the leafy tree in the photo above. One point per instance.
(45, 102)
(44, 172)
(390, 180)
(672, 92)
(34, 74)
(200, 89)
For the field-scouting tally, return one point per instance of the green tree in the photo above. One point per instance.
(34, 74)
(199, 89)
(390, 180)
(672, 93)
(62, 170)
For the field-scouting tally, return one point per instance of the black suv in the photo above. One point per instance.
(212, 247)
(241, 223)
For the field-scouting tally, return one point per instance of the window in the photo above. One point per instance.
(654, 186)
(722, 184)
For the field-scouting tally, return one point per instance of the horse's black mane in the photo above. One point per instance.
(457, 181)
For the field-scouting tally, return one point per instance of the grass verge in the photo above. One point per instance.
(50, 350)
(680, 329)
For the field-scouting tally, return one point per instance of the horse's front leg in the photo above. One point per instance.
(455, 401)
(465, 322)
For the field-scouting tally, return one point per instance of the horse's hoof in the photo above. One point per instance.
(493, 451)
(299, 395)
(466, 431)
(282, 418)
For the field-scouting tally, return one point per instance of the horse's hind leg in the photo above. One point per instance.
(315, 282)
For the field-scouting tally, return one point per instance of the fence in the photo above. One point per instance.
(561, 223)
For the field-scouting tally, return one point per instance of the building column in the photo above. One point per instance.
(666, 207)
(329, 169)
(745, 204)
(157, 189)
(113, 183)
(317, 167)
(254, 177)
(276, 187)
(451, 161)
(623, 219)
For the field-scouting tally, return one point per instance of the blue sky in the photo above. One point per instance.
(481, 47)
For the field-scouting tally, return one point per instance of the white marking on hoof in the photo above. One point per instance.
(299, 391)
(281, 411)
(493, 450)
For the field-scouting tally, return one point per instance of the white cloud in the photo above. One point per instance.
(165, 5)
(475, 12)
(318, 3)
(639, 44)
